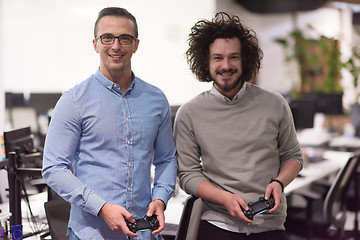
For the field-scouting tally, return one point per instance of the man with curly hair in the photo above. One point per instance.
(237, 141)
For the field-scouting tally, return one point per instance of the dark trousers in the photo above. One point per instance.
(209, 231)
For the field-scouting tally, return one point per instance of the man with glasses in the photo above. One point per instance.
(110, 129)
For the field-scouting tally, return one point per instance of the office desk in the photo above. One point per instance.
(345, 143)
(333, 162)
(37, 207)
(314, 137)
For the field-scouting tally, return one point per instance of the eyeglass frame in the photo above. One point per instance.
(118, 37)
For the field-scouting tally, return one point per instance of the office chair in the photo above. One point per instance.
(190, 219)
(353, 204)
(173, 114)
(57, 212)
(188, 226)
(320, 214)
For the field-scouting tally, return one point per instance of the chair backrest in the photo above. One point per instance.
(190, 219)
(57, 214)
(334, 205)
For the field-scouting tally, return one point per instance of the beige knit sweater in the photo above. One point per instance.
(238, 146)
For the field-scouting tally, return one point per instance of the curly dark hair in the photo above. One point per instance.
(224, 26)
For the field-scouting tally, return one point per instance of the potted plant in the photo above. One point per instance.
(318, 59)
(319, 62)
(320, 69)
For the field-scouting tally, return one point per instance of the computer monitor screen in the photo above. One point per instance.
(43, 102)
(328, 103)
(21, 138)
(303, 112)
(14, 99)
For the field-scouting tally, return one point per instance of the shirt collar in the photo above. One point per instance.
(217, 94)
(110, 84)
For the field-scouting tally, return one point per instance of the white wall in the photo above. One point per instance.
(47, 44)
(2, 94)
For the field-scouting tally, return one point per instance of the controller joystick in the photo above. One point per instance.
(144, 223)
(259, 207)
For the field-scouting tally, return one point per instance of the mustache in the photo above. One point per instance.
(230, 70)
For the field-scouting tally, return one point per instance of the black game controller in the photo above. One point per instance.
(144, 223)
(259, 207)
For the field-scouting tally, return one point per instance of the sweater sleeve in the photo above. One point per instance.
(289, 146)
(188, 153)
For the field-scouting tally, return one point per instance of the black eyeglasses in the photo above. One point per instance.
(109, 39)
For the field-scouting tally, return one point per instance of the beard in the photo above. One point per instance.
(227, 85)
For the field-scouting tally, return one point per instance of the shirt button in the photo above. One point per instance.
(128, 142)
(129, 164)
(127, 119)
(129, 188)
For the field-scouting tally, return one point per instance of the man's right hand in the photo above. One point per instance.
(232, 202)
(235, 205)
(114, 216)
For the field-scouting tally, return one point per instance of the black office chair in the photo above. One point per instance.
(320, 214)
(57, 212)
(353, 204)
(188, 226)
(190, 219)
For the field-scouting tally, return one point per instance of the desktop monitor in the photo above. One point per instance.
(328, 103)
(14, 100)
(43, 102)
(303, 112)
(21, 139)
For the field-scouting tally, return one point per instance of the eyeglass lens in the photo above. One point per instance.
(109, 39)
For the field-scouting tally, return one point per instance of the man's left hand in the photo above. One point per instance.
(275, 190)
(157, 207)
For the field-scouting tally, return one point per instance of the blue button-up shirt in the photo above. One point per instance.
(110, 140)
